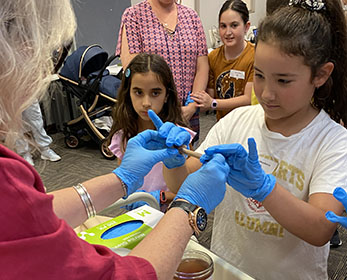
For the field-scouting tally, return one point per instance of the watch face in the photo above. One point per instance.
(201, 219)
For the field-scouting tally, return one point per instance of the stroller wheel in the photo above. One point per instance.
(105, 151)
(72, 141)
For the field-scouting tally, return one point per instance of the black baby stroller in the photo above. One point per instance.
(84, 78)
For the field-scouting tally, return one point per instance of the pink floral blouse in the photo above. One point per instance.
(180, 50)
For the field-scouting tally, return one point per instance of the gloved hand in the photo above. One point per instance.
(142, 153)
(229, 151)
(206, 186)
(174, 136)
(140, 203)
(341, 195)
(246, 174)
(188, 100)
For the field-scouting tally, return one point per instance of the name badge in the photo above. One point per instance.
(268, 165)
(237, 74)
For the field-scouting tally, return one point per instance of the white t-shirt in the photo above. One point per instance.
(313, 160)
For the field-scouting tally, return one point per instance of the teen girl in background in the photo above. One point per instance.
(231, 65)
(271, 223)
(147, 84)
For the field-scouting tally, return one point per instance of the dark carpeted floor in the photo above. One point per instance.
(86, 162)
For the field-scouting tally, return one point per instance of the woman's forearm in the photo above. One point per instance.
(201, 75)
(165, 244)
(103, 190)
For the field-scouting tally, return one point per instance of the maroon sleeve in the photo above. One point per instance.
(36, 244)
(131, 267)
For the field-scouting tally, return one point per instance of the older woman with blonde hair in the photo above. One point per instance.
(37, 241)
(26, 44)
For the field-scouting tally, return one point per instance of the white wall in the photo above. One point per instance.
(95, 16)
(260, 12)
(209, 9)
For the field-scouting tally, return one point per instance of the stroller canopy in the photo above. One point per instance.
(84, 61)
(88, 62)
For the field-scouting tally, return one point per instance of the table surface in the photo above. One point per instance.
(222, 269)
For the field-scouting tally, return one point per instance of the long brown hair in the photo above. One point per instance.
(273, 5)
(124, 116)
(319, 37)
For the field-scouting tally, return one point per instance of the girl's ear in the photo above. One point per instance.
(323, 74)
(247, 26)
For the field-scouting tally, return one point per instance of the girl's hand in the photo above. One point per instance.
(206, 186)
(174, 136)
(341, 195)
(203, 99)
(142, 153)
(246, 174)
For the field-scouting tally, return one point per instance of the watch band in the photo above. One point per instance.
(214, 104)
(186, 206)
(191, 210)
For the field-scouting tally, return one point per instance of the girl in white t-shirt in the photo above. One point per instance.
(271, 223)
(147, 84)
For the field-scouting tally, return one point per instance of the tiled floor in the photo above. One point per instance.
(86, 162)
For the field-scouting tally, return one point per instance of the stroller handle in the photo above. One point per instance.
(107, 63)
(95, 84)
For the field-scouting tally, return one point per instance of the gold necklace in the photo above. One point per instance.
(168, 30)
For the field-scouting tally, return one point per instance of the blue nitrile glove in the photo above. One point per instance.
(206, 186)
(142, 153)
(188, 100)
(246, 174)
(341, 195)
(174, 136)
(140, 203)
(229, 152)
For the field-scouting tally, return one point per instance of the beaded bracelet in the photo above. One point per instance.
(86, 200)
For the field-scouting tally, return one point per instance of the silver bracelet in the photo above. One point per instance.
(125, 188)
(86, 200)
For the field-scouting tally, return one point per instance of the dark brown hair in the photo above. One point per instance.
(124, 116)
(319, 37)
(237, 6)
(273, 5)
